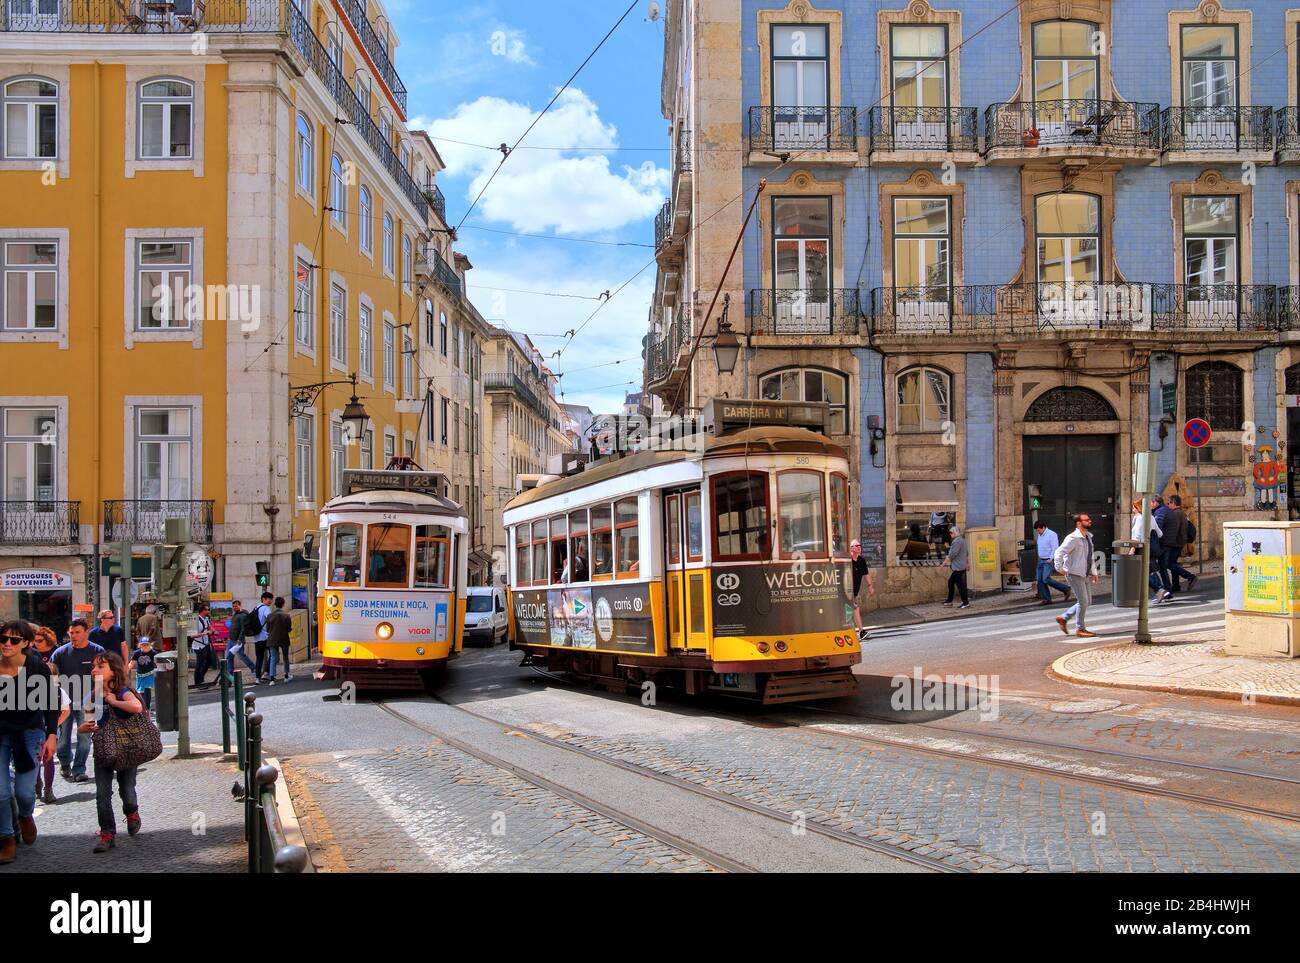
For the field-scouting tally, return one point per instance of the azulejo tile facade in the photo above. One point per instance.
(1012, 245)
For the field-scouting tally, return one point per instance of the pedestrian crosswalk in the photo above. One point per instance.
(1110, 624)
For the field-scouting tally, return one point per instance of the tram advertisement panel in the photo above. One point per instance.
(356, 616)
(615, 618)
(786, 598)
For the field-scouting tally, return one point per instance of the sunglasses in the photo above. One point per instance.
(11, 640)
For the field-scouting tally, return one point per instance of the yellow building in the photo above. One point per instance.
(212, 216)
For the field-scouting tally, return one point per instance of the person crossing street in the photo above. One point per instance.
(1048, 543)
(1074, 557)
(861, 576)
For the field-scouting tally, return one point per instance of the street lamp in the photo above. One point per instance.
(726, 348)
(355, 415)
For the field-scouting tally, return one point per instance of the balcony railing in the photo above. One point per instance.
(356, 12)
(1287, 128)
(437, 200)
(144, 521)
(683, 151)
(512, 382)
(139, 16)
(1218, 129)
(664, 224)
(1045, 308)
(1072, 123)
(443, 272)
(40, 523)
(798, 311)
(353, 111)
(662, 354)
(924, 128)
(783, 129)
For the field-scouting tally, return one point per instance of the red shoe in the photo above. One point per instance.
(27, 827)
(132, 824)
(105, 843)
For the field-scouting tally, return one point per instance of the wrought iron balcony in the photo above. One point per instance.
(1217, 129)
(1072, 123)
(144, 521)
(40, 523)
(664, 225)
(516, 384)
(778, 130)
(437, 200)
(1047, 308)
(433, 263)
(143, 16)
(683, 151)
(661, 355)
(1288, 309)
(356, 12)
(924, 128)
(796, 312)
(1287, 128)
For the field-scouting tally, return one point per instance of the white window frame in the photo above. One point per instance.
(368, 449)
(305, 152)
(27, 445)
(390, 355)
(338, 323)
(167, 103)
(304, 304)
(181, 269)
(338, 457)
(408, 264)
(408, 367)
(366, 336)
(338, 195)
(28, 273)
(366, 221)
(166, 443)
(390, 241)
(31, 105)
(304, 445)
(390, 447)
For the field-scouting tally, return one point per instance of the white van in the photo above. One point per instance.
(486, 620)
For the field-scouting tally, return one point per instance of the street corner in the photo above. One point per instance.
(1198, 666)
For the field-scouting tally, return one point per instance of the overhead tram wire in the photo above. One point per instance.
(795, 156)
(506, 154)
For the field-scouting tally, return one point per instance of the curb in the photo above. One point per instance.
(1058, 671)
(293, 834)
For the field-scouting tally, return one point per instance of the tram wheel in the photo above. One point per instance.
(433, 678)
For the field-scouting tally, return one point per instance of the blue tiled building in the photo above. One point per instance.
(1011, 244)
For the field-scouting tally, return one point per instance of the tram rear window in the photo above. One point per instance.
(388, 556)
(740, 522)
(801, 513)
(432, 551)
(345, 561)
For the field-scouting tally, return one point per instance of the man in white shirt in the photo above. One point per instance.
(1048, 543)
(1074, 558)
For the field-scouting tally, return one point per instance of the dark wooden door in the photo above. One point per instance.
(1076, 473)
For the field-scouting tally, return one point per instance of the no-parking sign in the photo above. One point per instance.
(1197, 433)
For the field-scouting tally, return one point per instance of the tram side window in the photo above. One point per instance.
(432, 552)
(839, 515)
(626, 522)
(345, 567)
(740, 525)
(801, 513)
(539, 553)
(602, 542)
(579, 554)
(523, 555)
(389, 556)
(694, 528)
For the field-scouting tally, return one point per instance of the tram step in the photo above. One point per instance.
(807, 686)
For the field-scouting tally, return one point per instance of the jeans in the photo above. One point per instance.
(1170, 570)
(237, 649)
(283, 652)
(104, 777)
(1083, 593)
(1045, 581)
(19, 785)
(66, 733)
(202, 663)
(957, 581)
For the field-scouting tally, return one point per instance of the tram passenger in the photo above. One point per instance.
(580, 569)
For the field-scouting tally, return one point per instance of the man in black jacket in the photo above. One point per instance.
(1173, 538)
(235, 644)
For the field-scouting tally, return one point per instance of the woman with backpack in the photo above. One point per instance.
(125, 738)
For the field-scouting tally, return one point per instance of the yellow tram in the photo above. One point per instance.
(717, 562)
(394, 558)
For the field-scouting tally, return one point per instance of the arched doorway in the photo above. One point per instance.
(1073, 471)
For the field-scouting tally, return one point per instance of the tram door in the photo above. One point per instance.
(688, 581)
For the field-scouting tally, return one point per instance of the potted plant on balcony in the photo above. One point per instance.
(1031, 136)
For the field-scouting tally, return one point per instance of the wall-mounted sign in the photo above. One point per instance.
(1218, 487)
(34, 580)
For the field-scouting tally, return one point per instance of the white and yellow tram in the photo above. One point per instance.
(720, 568)
(393, 569)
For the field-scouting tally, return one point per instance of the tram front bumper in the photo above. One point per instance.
(814, 663)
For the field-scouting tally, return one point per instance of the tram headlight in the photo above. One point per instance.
(763, 648)
(384, 631)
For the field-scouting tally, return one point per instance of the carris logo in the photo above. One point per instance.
(728, 581)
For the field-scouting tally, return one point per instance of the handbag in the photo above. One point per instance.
(127, 742)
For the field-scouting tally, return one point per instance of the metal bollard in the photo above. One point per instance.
(262, 857)
(226, 710)
(254, 762)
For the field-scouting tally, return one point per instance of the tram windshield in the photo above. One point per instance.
(740, 516)
(388, 556)
(345, 564)
(432, 551)
(801, 513)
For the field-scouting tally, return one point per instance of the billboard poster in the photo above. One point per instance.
(1255, 570)
(532, 618)
(222, 605)
(571, 624)
(1264, 584)
(355, 616)
(613, 618)
(788, 598)
(623, 618)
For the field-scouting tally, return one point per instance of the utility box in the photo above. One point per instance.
(985, 572)
(1261, 588)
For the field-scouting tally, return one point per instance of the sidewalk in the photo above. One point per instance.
(1194, 665)
(191, 822)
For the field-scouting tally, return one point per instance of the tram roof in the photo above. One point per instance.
(397, 501)
(753, 441)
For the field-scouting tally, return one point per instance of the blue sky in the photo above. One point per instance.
(480, 72)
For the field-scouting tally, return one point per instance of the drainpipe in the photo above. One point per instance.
(96, 442)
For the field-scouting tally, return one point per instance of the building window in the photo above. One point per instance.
(1210, 227)
(367, 334)
(922, 249)
(1210, 69)
(924, 400)
(404, 155)
(460, 347)
(390, 355)
(443, 422)
(365, 221)
(305, 453)
(389, 253)
(164, 442)
(1068, 228)
(338, 459)
(800, 85)
(810, 384)
(802, 259)
(1066, 72)
(30, 436)
(408, 367)
(166, 120)
(338, 194)
(304, 312)
(338, 324)
(363, 93)
(31, 284)
(385, 128)
(163, 275)
(306, 154)
(390, 449)
(430, 335)
(919, 67)
(31, 119)
(455, 417)
(1214, 391)
(408, 264)
(740, 526)
(442, 324)
(368, 449)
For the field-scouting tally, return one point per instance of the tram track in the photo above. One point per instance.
(1096, 779)
(632, 822)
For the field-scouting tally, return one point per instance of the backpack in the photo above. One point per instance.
(1191, 532)
(254, 624)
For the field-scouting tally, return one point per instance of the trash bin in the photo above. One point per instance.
(1128, 575)
(165, 693)
(1027, 549)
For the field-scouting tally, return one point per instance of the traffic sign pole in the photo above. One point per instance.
(1197, 434)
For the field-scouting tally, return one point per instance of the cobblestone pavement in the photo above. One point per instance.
(1196, 665)
(191, 824)
(432, 808)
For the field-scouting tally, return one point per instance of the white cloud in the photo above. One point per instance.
(567, 191)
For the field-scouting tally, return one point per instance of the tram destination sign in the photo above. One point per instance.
(780, 599)
(424, 482)
(733, 415)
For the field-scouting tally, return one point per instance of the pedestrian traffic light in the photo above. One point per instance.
(119, 560)
(169, 570)
(263, 574)
(1035, 497)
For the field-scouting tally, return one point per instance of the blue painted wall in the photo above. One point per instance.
(981, 441)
